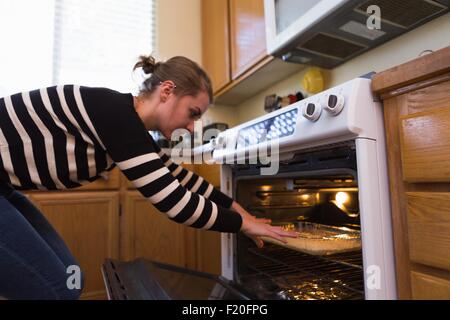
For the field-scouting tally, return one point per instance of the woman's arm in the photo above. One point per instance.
(123, 136)
(253, 227)
(194, 182)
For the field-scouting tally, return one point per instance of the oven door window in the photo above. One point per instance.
(146, 280)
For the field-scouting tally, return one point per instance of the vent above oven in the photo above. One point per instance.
(328, 33)
(404, 13)
(333, 46)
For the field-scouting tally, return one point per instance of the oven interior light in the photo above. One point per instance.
(342, 198)
(305, 196)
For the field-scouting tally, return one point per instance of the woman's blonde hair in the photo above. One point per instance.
(188, 76)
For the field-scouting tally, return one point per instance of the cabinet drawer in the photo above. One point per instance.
(425, 146)
(425, 286)
(429, 228)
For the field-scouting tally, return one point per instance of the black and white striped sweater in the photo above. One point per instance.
(66, 136)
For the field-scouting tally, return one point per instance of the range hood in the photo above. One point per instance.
(327, 33)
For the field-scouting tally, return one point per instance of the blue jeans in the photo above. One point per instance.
(34, 260)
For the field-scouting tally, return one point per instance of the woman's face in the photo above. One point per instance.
(180, 112)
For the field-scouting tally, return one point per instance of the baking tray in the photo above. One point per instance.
(319, 239)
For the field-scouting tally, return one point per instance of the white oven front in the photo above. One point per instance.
(358, 123)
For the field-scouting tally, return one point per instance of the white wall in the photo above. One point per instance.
(179, 33)
(178, 26)
(431, 36)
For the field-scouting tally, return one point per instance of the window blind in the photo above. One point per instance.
(85, 42)
(26, 35)
(97, 42)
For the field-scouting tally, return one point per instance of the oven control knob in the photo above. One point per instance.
(220, 141)
(213, 142)
(312, 111)
(335, 104)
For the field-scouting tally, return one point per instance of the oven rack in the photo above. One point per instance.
(302, 276)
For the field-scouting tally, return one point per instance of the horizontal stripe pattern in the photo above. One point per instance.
(47, 145)
(193, 182)
(65, 136)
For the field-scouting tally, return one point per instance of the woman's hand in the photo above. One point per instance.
(244, 214)
(256, 228)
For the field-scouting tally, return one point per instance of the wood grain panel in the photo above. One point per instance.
(425, 144)
(416, 86)
(248, 35)
(215, 42)
(416, 70)
(416, 99)
(89, 224)
(429, 228)
(209, 252)
(425, 286)
(398, 203)
(150, 234)
(429, 98)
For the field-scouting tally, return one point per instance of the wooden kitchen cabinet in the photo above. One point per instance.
(148, 233)
(247, 35)
(416, 99)
(89, 224)
(234, 50)
(216, 46)
(234, 38)
(208, 243)
(208, 251)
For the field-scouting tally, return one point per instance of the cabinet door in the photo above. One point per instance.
(89, 224)
(148, 233)
(248, 35)
(208, 243)
(209, 252)
(416, 123)
(216, 57)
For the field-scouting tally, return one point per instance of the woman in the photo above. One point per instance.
(66, 136)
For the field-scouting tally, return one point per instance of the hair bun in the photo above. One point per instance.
(147, 63)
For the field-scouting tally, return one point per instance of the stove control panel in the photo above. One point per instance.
(279, 126)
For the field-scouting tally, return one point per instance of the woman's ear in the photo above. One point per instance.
(167, 88)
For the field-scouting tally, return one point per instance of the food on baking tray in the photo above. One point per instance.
(315, 290)
(318, 239)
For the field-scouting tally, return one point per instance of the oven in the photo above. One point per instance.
(315, 191)
(330, 184)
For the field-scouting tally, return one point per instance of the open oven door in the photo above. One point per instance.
(143, 279)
